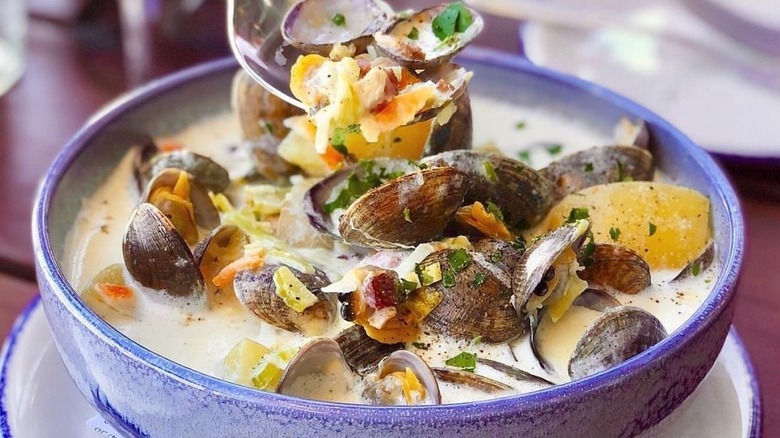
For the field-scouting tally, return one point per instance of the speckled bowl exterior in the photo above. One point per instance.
(145, 395)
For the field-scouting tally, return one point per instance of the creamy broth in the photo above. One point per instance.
(200, 337)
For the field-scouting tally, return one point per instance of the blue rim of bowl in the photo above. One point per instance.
(21, 327)
(715, 304)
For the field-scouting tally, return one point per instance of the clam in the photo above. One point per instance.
(596, 299)
(476, 298)
(256, 289)
(184, 201)
(315, 26)
(391, 205)
(323, 360)
(454, 133)
(474, 381)
(598, 165)
(522, 194)
(431, 37)
(618, 335)
(537, 269)
(616, 268)
(699, 264)
(393, 377)
(501, 253)
(203, 170)
(362, 353)
(157, 256)
(259, 111)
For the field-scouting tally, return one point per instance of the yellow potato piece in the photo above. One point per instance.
(681, 219)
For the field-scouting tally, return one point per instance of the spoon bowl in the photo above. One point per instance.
(254, 29)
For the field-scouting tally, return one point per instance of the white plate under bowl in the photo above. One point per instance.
(725, 112)
(38, 399)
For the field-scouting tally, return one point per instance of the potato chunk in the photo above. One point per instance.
(668, 225)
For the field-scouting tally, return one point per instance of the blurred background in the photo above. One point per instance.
(710, 66)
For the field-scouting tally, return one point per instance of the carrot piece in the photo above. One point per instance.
(332, 157)
(228, 273)
(170, 146)
(115, 291)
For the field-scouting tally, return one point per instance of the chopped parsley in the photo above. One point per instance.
(357, 186)
(588, 167)
(490, 172)
(588, 250)
(269, 127)
(459, 259)
(519, 244)
(576, 214)
(338, 19)
(614, 233)
(421, 345)
(448, 278)
(465, 361)
(525, 155)
(407, 213)
(339, 136)
(479, 279)
(622, 175)
(496, 257)
(455, 18)
(520, 125)
(495, 211)
(652, 228)
(353, 128)
(695, 269)
(413, 34)
(554, 149)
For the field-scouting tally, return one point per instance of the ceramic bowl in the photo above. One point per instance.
(145, 395)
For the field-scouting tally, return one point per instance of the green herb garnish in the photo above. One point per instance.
(520, 125)
(338, 19)
(496, 257)
(490, 172)
(448, 278)
(479, 279)
(421, 345)
(354, 128)
(588, 250)
(269, 127)
(424, 278)
(495, 211)
(339, 135)
(651, 228)
(554, 149)
(576, 214)
(519, 244)
(614, 233)
(413, 34)
(622, 175)
(459, 259)
(455, 18)
(465, 361)
(588, 167)
(695, 269)
(525, 156)
(407, 213)
(357, 186)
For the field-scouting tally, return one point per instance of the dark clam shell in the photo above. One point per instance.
(256, 290)
(315, 26)
(515, 373)
(361, 352)
(500, 253)
(478, 304)
(457, 133)
(700, 263)
(474, 381)
(617, 268)
(523, 194)
(598, 165)
(157, 256)
(203, 170)
(618, 335)
(259, 111)
(411, 40)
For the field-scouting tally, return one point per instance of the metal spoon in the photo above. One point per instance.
(256, 40)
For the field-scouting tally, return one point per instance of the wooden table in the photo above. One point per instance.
(66, 82)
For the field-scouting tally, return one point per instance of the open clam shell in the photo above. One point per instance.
(157, 256)
(361, 352)
(523, 194)
(400, 361)
(204, 170)
(321, 357)
(315, 26)
(618, 335)
(431, 37)
(598, 165)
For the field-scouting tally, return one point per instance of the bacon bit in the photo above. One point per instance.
(171, 146)
(114, 291)
(228, 273)
(444, 86)
(476, 216)
(379, 291)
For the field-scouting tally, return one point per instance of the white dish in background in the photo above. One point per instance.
(724, 111)
(38, 399)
